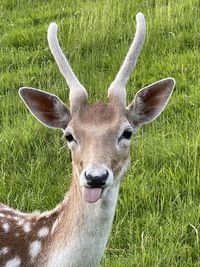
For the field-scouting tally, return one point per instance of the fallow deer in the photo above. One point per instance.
(75, 233)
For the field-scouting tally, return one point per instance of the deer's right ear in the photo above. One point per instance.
(149, 102)
(46, 107)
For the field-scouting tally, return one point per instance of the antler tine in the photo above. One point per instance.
(117, 88)
(76, 88)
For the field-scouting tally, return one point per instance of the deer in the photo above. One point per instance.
(75, 233)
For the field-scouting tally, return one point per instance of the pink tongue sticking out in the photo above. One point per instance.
(91, 194)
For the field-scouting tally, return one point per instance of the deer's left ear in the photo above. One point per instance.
(149, 102)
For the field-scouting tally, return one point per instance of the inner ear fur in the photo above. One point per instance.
(46, 107)
(149, 102)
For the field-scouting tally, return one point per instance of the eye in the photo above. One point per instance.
(126, 134)
(69, 137)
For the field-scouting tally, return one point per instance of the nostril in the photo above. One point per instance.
(88, 176)
(105, 176)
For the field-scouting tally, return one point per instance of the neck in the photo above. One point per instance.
(80, 231)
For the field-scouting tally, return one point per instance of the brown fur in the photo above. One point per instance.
(96, 127)
(19, 245)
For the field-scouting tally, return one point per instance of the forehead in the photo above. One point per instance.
(98, 116)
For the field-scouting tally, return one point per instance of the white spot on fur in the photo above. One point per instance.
(43, 232)
(34, 249)
(15, 262)
(20, 222)
(27, 227)
(2, 215)
(6, 227)
(4, 250)
(17, 234)
(15, 218)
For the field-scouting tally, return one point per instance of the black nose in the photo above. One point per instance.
(96, 181)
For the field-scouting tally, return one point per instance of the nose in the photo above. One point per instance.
(96, 181)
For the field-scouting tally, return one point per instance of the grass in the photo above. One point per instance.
(157, 221)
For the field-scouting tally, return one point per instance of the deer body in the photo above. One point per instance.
(75, 233)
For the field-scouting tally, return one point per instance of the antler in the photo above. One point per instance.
(117, 88)
(77, 91)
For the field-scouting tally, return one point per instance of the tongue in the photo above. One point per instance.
(91, 194)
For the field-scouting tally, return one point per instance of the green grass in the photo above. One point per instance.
(157, 221)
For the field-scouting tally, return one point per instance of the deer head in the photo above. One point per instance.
(99, 134)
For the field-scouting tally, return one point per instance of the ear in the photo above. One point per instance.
(46, 107)
(149, 102)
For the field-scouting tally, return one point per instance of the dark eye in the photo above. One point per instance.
(69, 137)
(126, 135)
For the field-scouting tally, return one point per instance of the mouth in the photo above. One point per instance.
(91, 195)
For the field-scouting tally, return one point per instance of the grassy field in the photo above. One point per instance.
(157, 221)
